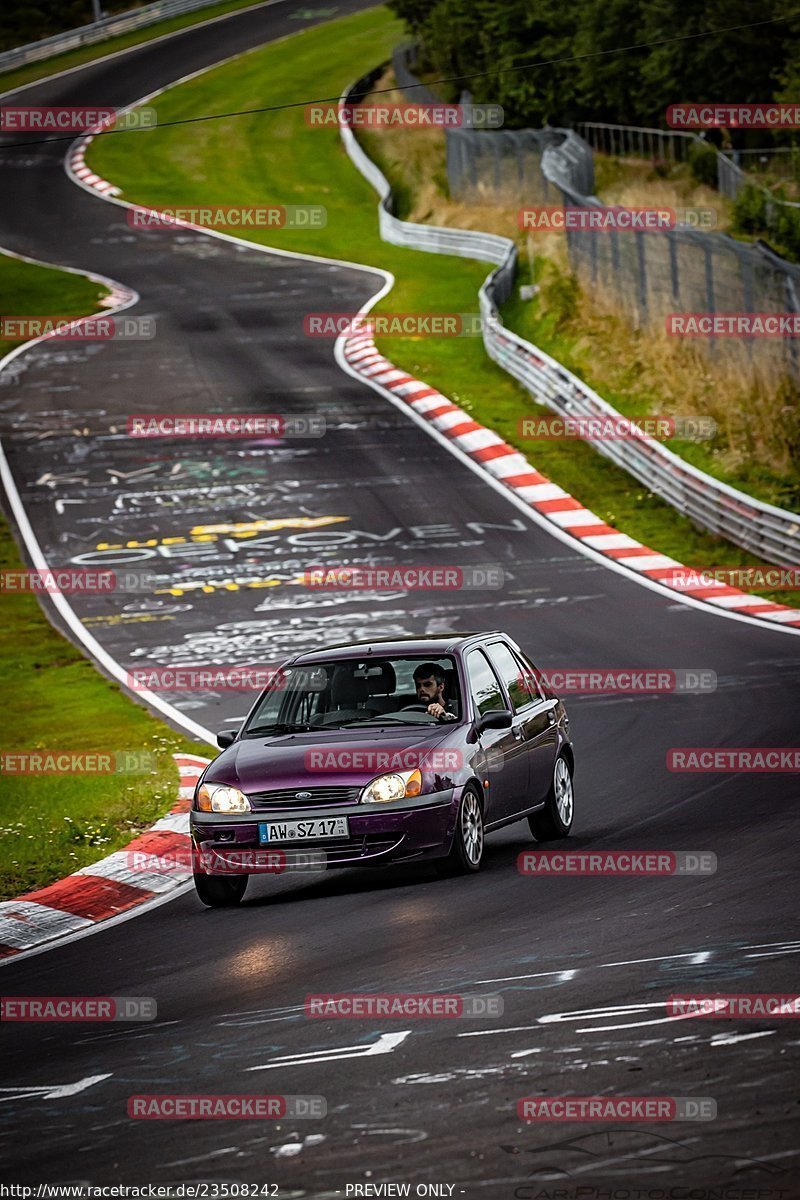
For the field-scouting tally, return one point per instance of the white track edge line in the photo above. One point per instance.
(162, 37)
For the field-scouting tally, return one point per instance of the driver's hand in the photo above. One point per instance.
(436, 709)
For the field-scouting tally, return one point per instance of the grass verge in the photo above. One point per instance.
(276, 158)
(17, 77)
(56, 700)
(53, 824)
(29, 290)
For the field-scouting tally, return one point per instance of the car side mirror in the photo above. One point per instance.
(226, 738)
(495, 718)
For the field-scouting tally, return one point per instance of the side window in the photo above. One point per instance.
(514, 675)
(530, 676)
(483, 683)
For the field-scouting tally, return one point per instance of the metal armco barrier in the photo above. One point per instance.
(771, 532)
(98, 31)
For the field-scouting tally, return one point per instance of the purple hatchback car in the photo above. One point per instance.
(387, 751)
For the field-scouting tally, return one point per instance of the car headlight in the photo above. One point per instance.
(396, 786)
(216, 797)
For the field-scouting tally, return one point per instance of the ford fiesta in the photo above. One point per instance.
(390, 751)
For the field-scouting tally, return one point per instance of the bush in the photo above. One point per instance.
(702, 160)
(750, 210)
(761, 215)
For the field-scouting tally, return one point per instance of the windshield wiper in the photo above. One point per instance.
(279, 727)
(385, 720)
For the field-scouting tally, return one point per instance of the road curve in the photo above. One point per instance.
(438, 1104)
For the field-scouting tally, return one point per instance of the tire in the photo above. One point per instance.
(466, 853)
(220, 891)
(555, 819)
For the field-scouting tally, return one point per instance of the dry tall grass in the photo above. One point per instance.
(756, 406)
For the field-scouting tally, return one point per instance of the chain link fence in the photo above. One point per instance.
(649, 274)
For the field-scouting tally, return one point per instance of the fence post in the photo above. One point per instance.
(792, 306)
(709, 278)
(747, 292)
(642, 275)
(674, 277)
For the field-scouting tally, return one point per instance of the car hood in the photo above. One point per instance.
(324, 760)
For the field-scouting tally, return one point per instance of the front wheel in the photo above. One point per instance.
(220, 891)
(555, 819)
(466, 854)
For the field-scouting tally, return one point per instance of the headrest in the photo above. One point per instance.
(383, 684)
(347, 692)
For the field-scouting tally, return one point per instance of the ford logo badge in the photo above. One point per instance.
(302, 795)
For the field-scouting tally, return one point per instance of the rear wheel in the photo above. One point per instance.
(466, 854)
(555, 819)
(220, 891)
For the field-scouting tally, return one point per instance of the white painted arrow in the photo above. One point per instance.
(51, 1091)
(385, 1044)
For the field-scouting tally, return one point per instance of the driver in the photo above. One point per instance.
(429, 681)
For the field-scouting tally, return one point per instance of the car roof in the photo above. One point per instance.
(432, 645)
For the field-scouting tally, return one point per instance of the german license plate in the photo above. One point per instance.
(303, 831)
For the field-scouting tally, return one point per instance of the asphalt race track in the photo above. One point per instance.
(584, 965)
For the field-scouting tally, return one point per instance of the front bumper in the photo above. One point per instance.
(399, 831)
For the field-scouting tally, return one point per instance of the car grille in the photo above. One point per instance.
(261, 801)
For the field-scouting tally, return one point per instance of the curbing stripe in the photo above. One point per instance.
(113, 885)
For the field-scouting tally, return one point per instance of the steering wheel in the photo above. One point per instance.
(414, 708)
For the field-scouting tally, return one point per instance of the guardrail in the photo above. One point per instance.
(98, 31)
(765, 530)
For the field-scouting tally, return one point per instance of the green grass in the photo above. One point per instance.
(56, 700)
(29, 290)
(15, 77)
(277, 158)
(53, 824)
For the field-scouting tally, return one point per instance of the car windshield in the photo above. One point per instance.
(367, 691)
